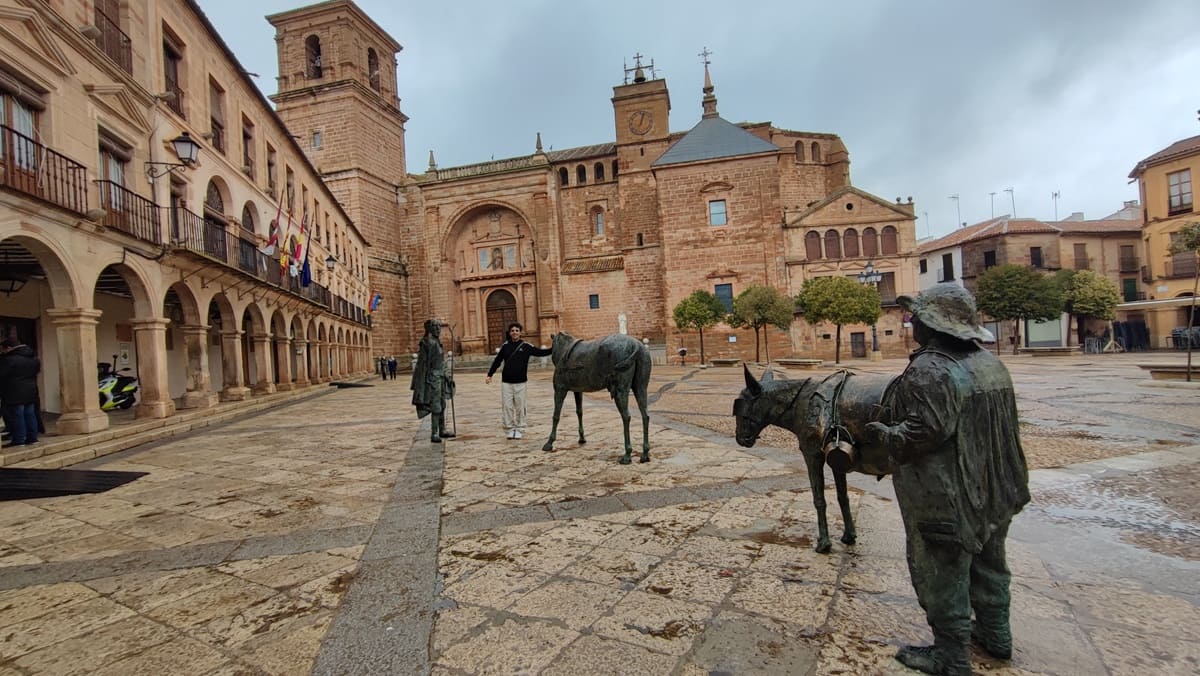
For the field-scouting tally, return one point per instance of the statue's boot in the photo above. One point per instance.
(934, 659)
(993, 634)
(446, 435)
(435, 424)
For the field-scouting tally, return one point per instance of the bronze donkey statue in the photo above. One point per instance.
(617, 363)
(826, 416)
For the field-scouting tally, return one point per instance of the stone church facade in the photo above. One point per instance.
(592, 240)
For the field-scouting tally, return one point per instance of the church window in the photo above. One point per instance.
(833, 244)
(581, 174)
(799, 151)
(724, 293)
(373, 69)
(316, 140)
(562, 176)
(850, 243)
(598, 171)
(717, 215)
(812, 245)
(312, 57)
(870, 243)
(641, 241)
(594, 301)
(816, 152)
(598, 222)
(614, 171)
(887, 240)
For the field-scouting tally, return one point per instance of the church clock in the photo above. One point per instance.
(641, 121)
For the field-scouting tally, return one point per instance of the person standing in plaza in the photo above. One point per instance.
(514, 354)
(430, 384)
(391, 366)
(19, 367)
(949, 423)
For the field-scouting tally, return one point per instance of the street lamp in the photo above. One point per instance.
(330, 262)
(870, 275)
(186, 149)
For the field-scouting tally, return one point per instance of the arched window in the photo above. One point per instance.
(888, 240)
(214, 222)
(812, 246)
(562, 176)
(598, 222)
(850, 243)
(581, 174)
(598, 172)
(373, 69)
(312, 57)
(799, 151)
(614, 171)
(833, 244)
(641, 241)
(870, 243)
(248, 218)
(816, 152)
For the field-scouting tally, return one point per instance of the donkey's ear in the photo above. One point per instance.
(751, 384)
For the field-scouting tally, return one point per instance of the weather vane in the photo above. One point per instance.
(637, 66)
(704, 54)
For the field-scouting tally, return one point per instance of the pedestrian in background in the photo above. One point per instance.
(391, 365)
(19, 367)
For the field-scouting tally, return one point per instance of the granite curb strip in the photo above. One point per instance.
(385, 620)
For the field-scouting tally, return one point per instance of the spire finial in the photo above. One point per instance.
(538, 148)
(432, 162)
(710, 100)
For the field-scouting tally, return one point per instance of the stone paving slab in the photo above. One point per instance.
(332, 537)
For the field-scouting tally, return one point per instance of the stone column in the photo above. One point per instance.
(262, 364)
(231, 367)
(301, 363)
(154, 391)
(75, 331)
(199, 392)
(283, 355)
(323, 375)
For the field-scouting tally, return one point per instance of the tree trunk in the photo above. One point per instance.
(702, 346)
(756, 342)
(766, 344)
(1016, 335)
(837, 346)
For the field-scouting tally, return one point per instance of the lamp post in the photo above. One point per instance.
(186, 149)
(870, 275)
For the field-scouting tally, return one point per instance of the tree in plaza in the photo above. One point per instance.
(1016, 292)
(1188, 239)
(699, 311)
(758, 307)
(839, 300)
(1087, 295)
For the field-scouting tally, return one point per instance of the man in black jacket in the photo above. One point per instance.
(19, 367)
(514, 354)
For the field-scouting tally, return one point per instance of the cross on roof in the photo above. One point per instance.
(704, 54)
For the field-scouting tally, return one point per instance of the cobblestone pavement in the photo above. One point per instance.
(329, 536)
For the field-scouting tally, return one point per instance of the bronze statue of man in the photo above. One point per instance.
(950, 425)
(431, 386)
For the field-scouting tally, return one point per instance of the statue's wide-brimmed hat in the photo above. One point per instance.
(950, 309)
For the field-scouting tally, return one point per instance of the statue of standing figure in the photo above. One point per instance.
(431, 385)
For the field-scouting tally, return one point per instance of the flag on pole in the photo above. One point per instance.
(284, 248)
(375, 300)
(296, 243)
(273, 238)
(306, 271)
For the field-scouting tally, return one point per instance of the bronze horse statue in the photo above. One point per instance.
(827, 416)
(617, 363)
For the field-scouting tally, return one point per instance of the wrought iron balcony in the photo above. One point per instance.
(113, 41)
(29, 167)
(1128, 264)
(174, 102)
(129, 212)
(1181, 266)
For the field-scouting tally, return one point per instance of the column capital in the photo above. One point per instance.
(193, 329)
(73, 315)
(231, 333)
(150, 323)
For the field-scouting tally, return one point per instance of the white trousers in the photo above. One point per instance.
(512, 402)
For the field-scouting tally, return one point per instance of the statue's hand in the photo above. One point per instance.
(875, 432)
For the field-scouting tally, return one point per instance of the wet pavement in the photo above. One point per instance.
(330, 536)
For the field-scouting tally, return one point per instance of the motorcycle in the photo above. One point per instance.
(116, 390)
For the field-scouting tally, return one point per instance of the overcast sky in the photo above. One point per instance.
(931, 97)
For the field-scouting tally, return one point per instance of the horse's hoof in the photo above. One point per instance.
(548, 447)
(624, 460)
(582, 441)
(824, 547)
(644, 458)
(849, 539)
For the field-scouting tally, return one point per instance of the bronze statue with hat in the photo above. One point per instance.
(949, 423)
(431, 385)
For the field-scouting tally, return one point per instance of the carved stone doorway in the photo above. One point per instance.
(501, 311)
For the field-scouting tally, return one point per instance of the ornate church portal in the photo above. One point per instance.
(494, 280)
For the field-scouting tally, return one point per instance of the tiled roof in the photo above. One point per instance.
(713, 138)
(1187, 146)
(582, 152)
(1004, 225)
(594, 264)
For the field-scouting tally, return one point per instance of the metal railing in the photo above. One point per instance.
(1128, 264)
(129, 212)
(31, 168)
(1083, 263)
(113, 41)
(1183, 266)
(174, 102)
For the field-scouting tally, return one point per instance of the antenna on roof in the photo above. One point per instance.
(1054, 196)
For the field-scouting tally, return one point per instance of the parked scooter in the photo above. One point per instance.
(116, 390)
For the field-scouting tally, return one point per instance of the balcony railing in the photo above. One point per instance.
(1128, 263)
(1083, 264)
(1181, 267)
(31, 168)
(113, 41)
(175, 100)
(1130, 296)
(129, 212)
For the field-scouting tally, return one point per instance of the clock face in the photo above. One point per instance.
(641, 121)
